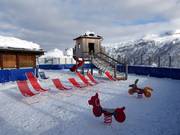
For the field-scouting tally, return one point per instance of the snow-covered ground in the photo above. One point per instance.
(68, 113)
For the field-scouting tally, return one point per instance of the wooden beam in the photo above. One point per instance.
(17, 60)
(1, 60)
(34, 61)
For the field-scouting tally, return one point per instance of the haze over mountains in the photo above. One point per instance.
(148, 49)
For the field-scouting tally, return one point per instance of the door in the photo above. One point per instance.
(91, 48)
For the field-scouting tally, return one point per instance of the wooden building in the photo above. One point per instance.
(18, 58)
(87, 44)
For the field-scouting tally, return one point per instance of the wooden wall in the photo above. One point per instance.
(17, 60)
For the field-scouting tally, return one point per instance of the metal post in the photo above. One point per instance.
(159, 61)
(149, 63)
(170, 61)
(115, 69)
(126, 72)
(65, 61)
(91, 65)
(82, 70)
(141, 59)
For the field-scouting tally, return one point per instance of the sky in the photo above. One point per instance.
(55, 23)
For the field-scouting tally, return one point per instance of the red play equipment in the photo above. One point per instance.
(34, 82)
(84, 79)
(58, 84)
(76, 84)
(24, 89)
(109, 76)
(118, 113)
(79, 64)
(90, 76)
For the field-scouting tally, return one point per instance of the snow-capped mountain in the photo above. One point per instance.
(149, 50)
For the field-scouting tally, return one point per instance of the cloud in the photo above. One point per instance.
(54, 23)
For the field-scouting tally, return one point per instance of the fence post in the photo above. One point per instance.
(134, 61)
(149, 61)
(170, 61)
(59, 60)
(141, 59)
(115, 69)
(65, 61)
(159, 61)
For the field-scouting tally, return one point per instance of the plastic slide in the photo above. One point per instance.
(79, 64)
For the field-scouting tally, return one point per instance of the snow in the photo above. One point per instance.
(55, 53)
(12, 42)
(89, 33)
(68, 113)
(69, 52)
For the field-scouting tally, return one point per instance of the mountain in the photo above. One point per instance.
(149, 50)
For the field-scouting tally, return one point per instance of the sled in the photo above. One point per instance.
(58, 84)
(76, 84)
(84, 79)
(24, 89)
(34, 82)
(109, 76)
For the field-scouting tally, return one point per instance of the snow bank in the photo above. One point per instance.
(12, 42)
(55, 53)
(69, 52)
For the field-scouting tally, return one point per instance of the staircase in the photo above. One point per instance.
(104, 62)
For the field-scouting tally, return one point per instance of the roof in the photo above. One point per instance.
(22, 50)
(12, 42)
(90, 35)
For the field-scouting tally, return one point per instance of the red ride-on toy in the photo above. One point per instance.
(146, 91)
(98, 110)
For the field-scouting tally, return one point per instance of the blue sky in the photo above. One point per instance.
(54, 23)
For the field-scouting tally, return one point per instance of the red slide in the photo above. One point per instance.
(75, 67)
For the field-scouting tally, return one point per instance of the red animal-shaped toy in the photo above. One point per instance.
(118, 113)
(146, 91)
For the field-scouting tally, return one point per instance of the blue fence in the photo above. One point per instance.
(173, 73)
(62, 66)
(14, 74)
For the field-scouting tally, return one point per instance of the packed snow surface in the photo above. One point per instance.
(68, 113)
(12, 42)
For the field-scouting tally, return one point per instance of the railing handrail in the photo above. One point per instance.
(109, 57)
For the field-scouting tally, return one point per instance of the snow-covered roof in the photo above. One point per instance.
(89, 34)
(55, 53)
(12, 42)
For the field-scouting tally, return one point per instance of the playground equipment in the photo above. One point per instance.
(140, 91)
(76, 84)
(58, 84)
(98, 110)
(34, 82)
(89, 48)
(43, 75)
(84, 79)
(90, 76)
(79, 64)
(24, 89)
(109, 76)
